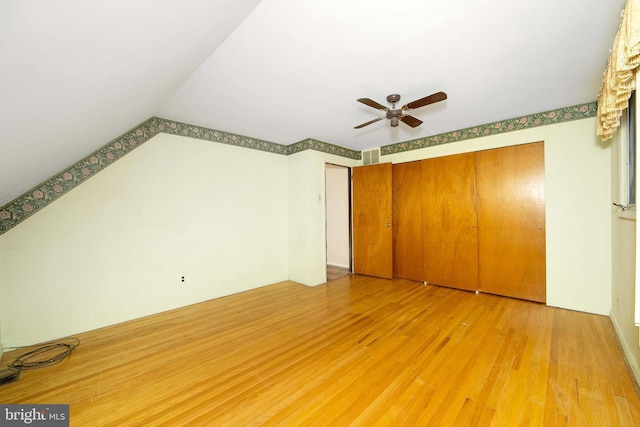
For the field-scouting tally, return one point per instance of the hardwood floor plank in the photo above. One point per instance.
(355, 351)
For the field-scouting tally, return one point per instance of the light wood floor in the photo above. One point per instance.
(356, 351)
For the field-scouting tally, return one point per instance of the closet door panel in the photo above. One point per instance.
(408, 258)
(449, 215)
(511, 221)
(372, 231)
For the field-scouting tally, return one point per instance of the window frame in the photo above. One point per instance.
(628, 161)
(631, 152)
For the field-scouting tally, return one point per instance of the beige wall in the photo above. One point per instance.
(115, 247)
(578, 208)
(307, 215)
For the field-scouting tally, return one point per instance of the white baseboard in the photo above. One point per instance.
(626, 349)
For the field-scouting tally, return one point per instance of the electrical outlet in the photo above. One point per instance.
(182, 279)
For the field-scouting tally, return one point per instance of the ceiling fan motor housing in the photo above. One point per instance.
(394, 116)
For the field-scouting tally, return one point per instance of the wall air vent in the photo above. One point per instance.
(371, 157)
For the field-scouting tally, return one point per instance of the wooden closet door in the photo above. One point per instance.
(511, 221)
(372, 231)
(449, 212)
(408, 256)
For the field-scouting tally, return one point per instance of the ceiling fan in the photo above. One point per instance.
(398, 114)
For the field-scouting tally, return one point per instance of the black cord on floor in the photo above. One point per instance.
(45, 355)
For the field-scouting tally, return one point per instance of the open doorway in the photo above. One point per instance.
(338, 214)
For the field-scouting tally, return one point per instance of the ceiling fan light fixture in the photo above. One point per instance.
(396, 115)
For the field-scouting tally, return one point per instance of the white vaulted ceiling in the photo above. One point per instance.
(76, 74)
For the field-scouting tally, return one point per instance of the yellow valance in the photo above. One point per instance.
(619, 78)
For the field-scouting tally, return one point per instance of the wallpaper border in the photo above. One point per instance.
(324, 147)
(173, 127)
(30, 202)
(551, 117)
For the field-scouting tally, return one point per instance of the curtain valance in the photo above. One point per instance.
(619, 78)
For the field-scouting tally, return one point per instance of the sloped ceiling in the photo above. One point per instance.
(76, 74)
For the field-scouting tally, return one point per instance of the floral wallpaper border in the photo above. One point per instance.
(560, 115)
(324, 147)
(25, 205)
(192, 131)
(22, 207)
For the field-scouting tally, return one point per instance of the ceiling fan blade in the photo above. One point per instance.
(411, 121)
(368, 123)
(372, 103)
(438, 96)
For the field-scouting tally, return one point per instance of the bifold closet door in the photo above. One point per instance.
(372, 221)
(511, 221)
(408, 257)
(449, 215)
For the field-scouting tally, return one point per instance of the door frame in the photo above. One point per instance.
(347, 185)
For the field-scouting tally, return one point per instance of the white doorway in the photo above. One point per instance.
(338, 214)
